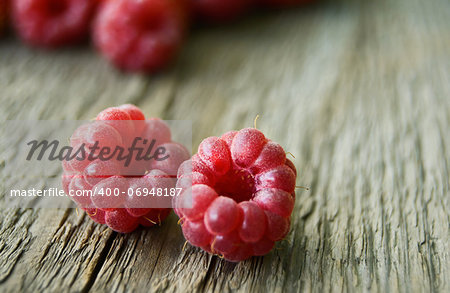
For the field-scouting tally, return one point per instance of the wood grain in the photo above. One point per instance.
(359, 92)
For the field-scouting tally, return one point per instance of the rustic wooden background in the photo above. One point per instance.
(358, 91)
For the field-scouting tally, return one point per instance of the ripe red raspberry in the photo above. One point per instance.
(4, 15)
(118, 127)
(53, 23)
(218, 11)
(140, 35)
(238, 195)
(286, 3)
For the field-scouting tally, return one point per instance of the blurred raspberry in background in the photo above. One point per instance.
(53, 23)
(142, 36)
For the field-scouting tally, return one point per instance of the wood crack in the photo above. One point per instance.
(100, 261)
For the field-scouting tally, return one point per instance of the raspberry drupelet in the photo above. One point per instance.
(124, 210)
(238, 195)
(53, 23)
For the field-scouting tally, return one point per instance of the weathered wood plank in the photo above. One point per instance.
(358, 92)
(51, 244)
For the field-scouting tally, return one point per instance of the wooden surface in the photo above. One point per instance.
(358, 91)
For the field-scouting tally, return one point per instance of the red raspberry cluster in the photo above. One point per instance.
(238, 195)
(113, 183)
(237, 192)
(135, 35)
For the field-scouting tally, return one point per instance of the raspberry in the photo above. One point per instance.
(238, 193)
(122, 212)
(218, 11)
(53, 23)
(140, 35)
